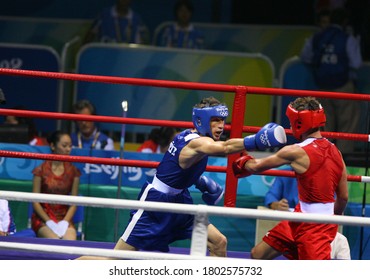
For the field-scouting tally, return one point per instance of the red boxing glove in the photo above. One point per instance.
(238, 166)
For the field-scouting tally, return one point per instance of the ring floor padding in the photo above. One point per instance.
(8, 254)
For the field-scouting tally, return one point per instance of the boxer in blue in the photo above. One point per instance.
(181, 167)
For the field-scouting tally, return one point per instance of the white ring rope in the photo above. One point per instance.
(185, 208)
(109, 253)
(365, 179)
(198, 210)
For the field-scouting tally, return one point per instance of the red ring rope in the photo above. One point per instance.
(142, 163)
(140, 121)
(182, 85)
(238, 106)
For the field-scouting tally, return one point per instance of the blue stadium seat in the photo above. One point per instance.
(78, 219)
(28, 232)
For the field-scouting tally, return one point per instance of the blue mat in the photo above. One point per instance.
(9, 254)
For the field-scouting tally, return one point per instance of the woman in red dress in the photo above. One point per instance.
(56, 177)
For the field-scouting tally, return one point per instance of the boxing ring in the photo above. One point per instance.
(201, 212)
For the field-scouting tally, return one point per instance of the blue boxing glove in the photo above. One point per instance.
(212, 192)
(269, 136)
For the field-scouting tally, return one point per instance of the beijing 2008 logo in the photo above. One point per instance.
(223, 111)
(264, 139)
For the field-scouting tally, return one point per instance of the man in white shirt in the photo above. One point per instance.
(340, 248)
(7, 225)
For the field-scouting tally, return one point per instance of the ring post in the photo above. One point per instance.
(200, 234)
(121, 148)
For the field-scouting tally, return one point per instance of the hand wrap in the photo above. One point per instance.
(239, 166)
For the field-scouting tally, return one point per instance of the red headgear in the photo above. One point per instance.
(303, 121)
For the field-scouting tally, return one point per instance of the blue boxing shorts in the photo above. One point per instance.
(154, 231)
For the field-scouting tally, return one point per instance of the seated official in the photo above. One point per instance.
(283, 194)
(182, 33)
(88, 135)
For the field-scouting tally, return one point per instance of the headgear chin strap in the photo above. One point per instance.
(202, 118)
(303, 121)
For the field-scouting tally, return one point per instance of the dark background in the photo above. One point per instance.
(283, 12)
(232, 11)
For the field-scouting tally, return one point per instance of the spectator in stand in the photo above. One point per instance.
(7, 225)
(88, 135)
(320, 5)
(323, 19)
(56, 177)
(159, 140)
(34, 138)
(335, 56)
(182, 33)
(119, 24)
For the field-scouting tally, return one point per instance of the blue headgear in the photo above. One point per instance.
(202, 117)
